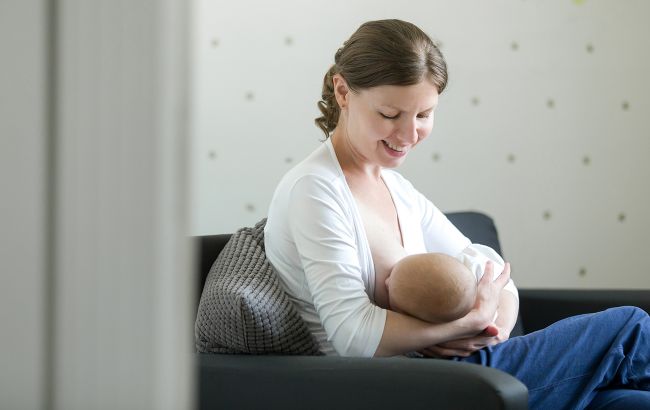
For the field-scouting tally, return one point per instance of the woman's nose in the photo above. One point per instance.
(409, 132)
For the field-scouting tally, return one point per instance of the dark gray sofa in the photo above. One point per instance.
(320, 382)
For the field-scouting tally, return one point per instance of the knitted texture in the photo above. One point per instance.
(243, 308)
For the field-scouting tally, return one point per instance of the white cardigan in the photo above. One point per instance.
(315, 239)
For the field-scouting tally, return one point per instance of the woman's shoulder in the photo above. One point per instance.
(318, 176)
(317, 167)
(313, 187)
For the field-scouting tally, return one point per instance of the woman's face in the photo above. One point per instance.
(382, 124)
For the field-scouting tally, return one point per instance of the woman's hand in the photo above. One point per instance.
(487, 295)
(464, 347)
(482, 315)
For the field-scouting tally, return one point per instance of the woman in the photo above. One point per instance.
(342, 218)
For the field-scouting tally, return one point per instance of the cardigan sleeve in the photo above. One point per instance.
(440, 235)
(323, 231)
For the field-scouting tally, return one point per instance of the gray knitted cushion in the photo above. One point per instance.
(243, 308)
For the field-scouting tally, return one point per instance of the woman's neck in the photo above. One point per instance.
(352, 163)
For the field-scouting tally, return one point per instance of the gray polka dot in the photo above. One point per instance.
(625, 105)
(435, 157)
(476, 101)
(511, 158)
(621, 217)
(288, 40)
(547, 215)
(250, 207)
(214, 42)
(550, 103)
(250, 96)
(590, 48)
(582, 272)
(288, 160)
(514, 46)
(586, 160)
(212, 155)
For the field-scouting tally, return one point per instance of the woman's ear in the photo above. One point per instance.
(341, 90)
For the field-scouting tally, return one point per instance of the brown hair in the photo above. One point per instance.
(382, 52)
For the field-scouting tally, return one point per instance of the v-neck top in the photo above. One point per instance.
(315, 239)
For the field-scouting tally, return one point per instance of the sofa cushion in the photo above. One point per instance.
(243, 308)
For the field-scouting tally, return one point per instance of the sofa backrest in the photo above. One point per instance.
(208, 248)
(477, 226)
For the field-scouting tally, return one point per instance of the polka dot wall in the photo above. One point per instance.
(545, 124)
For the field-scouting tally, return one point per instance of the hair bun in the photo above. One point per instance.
(337, 56)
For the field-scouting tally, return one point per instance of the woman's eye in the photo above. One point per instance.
(388, 117)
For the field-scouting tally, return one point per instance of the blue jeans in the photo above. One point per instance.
(599, 360)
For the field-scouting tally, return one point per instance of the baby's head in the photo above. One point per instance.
(432, 286)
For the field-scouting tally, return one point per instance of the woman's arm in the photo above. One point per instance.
(499, 331)
(330, 263)
(508, 310)
(403, 333)
(474, 257)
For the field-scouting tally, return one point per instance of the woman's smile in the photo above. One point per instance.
(394, 150)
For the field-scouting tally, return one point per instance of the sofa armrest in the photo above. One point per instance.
(326, 382)
(540, 308)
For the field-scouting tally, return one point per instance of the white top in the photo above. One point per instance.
(476, 256)
(315, 239)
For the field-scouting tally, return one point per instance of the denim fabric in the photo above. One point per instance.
(587, 359)
(621, 399)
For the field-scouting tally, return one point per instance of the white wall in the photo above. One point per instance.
(24, 204)
(97, 297)
(125, 286)
(544, 124)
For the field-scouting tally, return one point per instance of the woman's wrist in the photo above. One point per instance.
(507, 313)
(472, 324)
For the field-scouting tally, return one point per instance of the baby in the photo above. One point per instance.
(436, 287)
